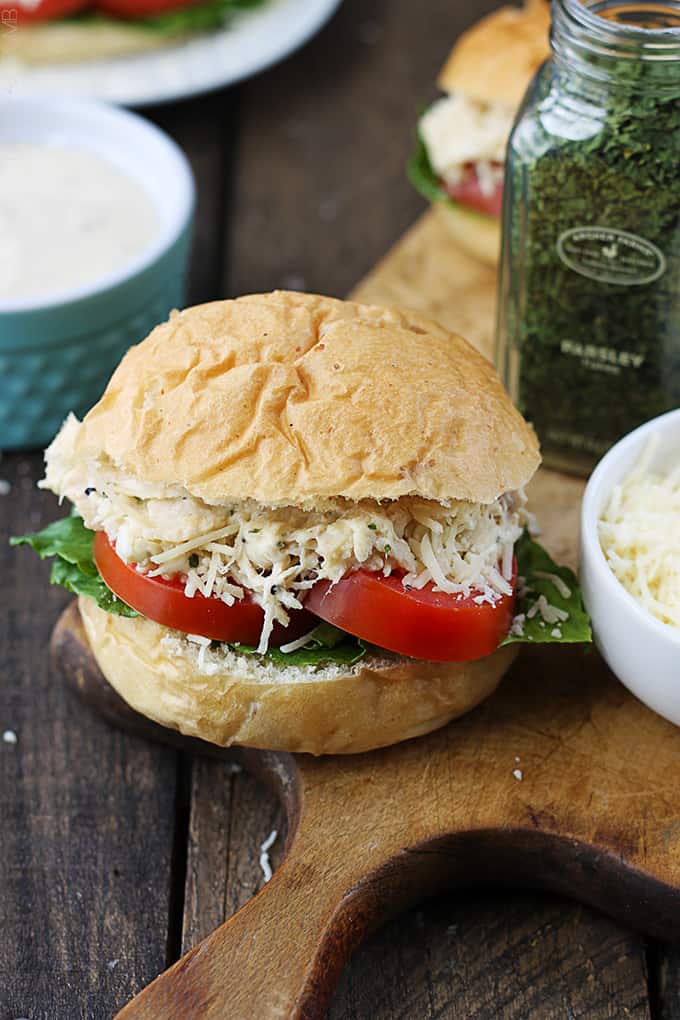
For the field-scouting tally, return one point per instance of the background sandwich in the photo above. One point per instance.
(463, 136)
(71, 31)
(300, 526)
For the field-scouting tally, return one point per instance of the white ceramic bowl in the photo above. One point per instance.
(58, 351)
(642, 651)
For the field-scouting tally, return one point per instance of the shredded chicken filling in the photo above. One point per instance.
(278, 553)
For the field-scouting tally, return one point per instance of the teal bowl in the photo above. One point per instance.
(57, 352)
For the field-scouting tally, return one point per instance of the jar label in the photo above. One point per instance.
(611, 256)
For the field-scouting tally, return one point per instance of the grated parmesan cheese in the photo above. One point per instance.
(548, 613)
(555, 579)
(517, 628)
(639, 532)
(265, 863)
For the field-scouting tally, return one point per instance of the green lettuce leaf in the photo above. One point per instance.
(532, 563)
(425, 180)
(74, 567)
(71, 577)
(326, 644)
(422, 175)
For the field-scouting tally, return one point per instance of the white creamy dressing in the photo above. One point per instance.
(67, 217)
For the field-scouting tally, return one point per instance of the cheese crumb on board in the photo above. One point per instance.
(639, 533)
(264, 855)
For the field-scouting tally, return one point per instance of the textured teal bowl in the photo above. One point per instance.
(56, 354)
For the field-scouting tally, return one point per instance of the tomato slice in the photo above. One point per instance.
(467, 191)
(163, 600)
(142, 8)
(15, 12)
(422, 623)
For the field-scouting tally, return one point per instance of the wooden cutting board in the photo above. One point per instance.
(560, 781)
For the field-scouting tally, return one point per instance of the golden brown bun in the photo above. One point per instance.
(71, 42)
(290, 398)
(478, 234)
(494, 61)
(338, 710)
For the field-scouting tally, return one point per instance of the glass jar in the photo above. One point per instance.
(589, 300)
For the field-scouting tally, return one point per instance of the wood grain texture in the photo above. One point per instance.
(232, 814)
(375, 833)
(459, 293)
(494, 955)
(665, 983)
(320, 191)
(87, 812)
(205, 128)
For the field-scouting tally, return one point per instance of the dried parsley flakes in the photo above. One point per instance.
(589, 323)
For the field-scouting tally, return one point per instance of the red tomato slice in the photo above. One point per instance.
(424, 624)
(469, 193)
(16, 13)
(142, 8)
(164, 602)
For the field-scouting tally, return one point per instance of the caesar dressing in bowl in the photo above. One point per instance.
(84, 279)
(67, 217)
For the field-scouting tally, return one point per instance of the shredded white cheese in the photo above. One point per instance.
(555, 579)
(276, 554)
(457, 130)
(548, 613)
(264, 855)
(639, 533)
(517, 628)
(293, 646)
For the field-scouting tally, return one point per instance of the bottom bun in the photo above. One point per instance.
(229, 698)
(72, 42)
(480, 235)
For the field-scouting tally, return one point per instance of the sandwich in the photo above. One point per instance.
(462, 136)
(71, 31)
(298, 524)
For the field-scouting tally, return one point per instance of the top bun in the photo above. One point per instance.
(291, 398)
(495, 60)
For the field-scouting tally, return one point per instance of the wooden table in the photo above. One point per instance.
(117, 855)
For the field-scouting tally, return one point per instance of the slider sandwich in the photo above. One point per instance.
(298, 523)
(463, 135)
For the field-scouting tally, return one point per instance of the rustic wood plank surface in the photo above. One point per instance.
(494, 954)
(87, 814)
(112, 849)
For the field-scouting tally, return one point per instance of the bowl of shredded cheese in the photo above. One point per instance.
(630, 561)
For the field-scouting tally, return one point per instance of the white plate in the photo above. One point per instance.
(250, 42)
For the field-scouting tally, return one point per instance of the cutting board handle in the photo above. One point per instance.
(277, 957)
